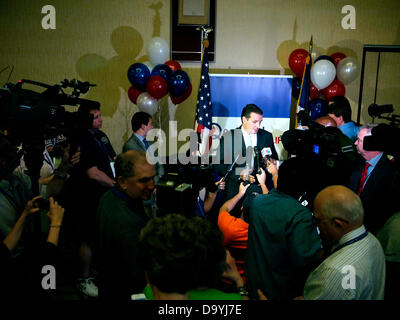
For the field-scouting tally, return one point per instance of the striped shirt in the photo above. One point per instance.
(354, 272)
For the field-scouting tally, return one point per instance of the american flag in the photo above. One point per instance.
(204, 110)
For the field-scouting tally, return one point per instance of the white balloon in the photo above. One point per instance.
(158, 50)
(147, 103)
(323, 72)
(347, 70)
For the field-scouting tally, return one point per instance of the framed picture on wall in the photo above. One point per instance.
(186, 40)
(194, 12)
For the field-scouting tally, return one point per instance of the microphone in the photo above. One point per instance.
(266, 153)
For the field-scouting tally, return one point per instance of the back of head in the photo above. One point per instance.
(340, 202)
(340, 106)
(138, 119)
(326, 121)
(86, 108)
(249, 109)
(298, 176)
(180, 253)
(124, 163)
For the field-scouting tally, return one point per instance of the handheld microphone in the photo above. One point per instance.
(266, 153)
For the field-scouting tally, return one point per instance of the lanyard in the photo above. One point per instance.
(361, 236)
(122, 196)
(102, 145)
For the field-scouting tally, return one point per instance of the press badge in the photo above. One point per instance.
(112, 167)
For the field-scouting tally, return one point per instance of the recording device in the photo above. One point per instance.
(266, 153)
(326, 144)
(42, 204)
(25, 112)
(29, 116)
(384, 138)
(375, 111)
(229, 171)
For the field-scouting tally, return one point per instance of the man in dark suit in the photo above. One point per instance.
(239, 144)
(376, 183)
(141, 123)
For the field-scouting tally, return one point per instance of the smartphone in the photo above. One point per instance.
(42, 204)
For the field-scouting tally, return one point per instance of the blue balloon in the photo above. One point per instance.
(138, 74)
(296, 86)
(178, 83)
(318, 108)
(161, 70)
(325, 57)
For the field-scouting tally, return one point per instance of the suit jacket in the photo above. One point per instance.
(133, 143)
(264, 140)
(380, 195)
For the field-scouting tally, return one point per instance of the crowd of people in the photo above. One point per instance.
(312, 226)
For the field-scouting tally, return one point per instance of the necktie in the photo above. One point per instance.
(363, 177)
(146, 144)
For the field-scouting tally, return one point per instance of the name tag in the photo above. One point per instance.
(112, 167)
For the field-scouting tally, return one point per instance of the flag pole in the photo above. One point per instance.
(203, 129)
(306, 77)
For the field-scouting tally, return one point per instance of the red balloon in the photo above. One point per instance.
(133, 94)
(297, 61)
(173, 64)
(157, 87)
(337, 56)
(183, 97)
(336, 88)
(314, 92)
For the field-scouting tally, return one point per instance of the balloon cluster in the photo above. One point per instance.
(329, 75)
(150, 85)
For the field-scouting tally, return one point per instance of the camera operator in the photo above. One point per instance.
(376, 182)
(94, 177)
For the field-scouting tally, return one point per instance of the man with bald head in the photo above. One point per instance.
(376, 182)
(326, 121)
(355, 268)
(120, 218)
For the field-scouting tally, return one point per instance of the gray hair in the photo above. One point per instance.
(368, 127)
(124, 164)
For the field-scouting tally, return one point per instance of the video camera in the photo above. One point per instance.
(25, 113)
(30, 116)
(326, 145)
(384, 138)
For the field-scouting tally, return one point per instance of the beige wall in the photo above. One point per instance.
(97, 40)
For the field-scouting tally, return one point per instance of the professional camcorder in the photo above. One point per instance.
(327, 146)
(383, 137)
(25, 113)
(29, 117)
